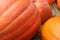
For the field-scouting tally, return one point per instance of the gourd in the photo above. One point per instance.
(19, 20)
(51, 29)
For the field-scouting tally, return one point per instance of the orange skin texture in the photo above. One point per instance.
(20, 22)
(58, 4)
(44, 10)
(31, 0)
(13, 12)
(51, 1)
(51, 29)
(5, 4)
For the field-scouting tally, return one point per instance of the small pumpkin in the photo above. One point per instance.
(51, 29)
(19, 21)
(44, 10)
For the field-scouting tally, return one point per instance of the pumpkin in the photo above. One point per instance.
(51, 1)
(44, 10)
(58, 4)
(51, 29)
(20, 20)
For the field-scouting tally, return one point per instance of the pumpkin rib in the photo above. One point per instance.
(33, 29)
(26, 15)
(20, 20)
(16, 33)
(24, 27)
(44, 10)
(31, 21)
(12, 13)
(5, 4)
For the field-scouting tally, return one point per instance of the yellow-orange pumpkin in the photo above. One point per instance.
(51, 29)
(44, 10)
(19, 20)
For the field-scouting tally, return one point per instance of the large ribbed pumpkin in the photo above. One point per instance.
(51, 29)
(19, 20)
(44, 10)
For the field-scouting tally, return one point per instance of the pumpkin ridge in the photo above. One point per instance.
(19, 34)
(6, 21)
(32, 20)
(29, 11)
(35, 31)
(19, 17)
(21, 28)
(32, 28)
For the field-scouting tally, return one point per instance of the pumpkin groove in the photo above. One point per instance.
(30, 22)
(16, 32)
(34, 28)
(21, 26)
(11, 14)
(21, 20)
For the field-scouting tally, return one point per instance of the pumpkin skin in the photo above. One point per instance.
(44, 10)
(20, 22)
(51, 1)
(5, 4)
(32, 0)
(58, 4)
(51, 29)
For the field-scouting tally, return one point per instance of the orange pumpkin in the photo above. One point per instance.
(44, 10)
(51, 29)
(19, 21)
(58, 4)
(51, 1)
